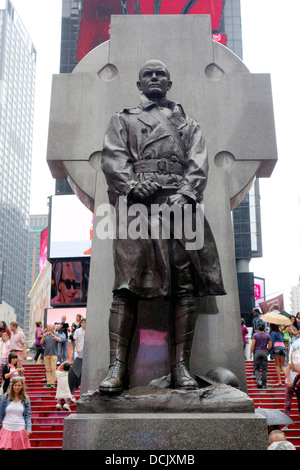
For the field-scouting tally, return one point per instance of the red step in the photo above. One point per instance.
(47, 421)
(273, 397)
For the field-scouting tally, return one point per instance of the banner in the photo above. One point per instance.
(267, 305)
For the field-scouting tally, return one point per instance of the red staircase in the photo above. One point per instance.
(273, 397)
(48, 423)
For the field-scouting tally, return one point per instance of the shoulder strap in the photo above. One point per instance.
(168, 126)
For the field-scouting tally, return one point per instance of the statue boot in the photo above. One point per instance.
(122, 322)
(182, 332)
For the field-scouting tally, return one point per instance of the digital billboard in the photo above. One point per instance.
(69, 283)
(95, 17)
(43, 248)
(53, 315)
(259, 290)
(70, 228)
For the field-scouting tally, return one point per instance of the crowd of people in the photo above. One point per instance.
(281, 344)
(57, 346)
(272, 342)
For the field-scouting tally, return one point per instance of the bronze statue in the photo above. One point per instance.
(155, 153)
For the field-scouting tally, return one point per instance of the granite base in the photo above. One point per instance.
(165, 431)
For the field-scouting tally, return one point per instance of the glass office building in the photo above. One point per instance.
(17, 85)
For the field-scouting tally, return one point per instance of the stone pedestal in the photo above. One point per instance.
(217, 417)
(165, 431)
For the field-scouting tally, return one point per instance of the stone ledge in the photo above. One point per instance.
(218, 398)
(165, 431)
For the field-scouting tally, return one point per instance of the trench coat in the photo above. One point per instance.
(135, 137)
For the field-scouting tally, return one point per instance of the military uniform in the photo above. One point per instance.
(166, 146)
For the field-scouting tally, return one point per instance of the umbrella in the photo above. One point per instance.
(286, 314)
(74, 375)
(275, 318)
(274, 417)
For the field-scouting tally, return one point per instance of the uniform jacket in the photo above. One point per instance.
(138, 135)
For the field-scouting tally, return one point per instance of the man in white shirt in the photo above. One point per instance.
(79, 337)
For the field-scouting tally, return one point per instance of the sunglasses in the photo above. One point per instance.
(68, 284)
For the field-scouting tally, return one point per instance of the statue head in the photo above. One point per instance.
(154, 79)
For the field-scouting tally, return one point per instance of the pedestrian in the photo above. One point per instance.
(4, 350)
(244, 335)
(278, 441)
(286, 338)
(11, 370)
(15, 415)
(50, 340)
(74, 326)
(291, 388)
(279, 352)
(256, 320)
(18, 342)
(294, 329)
(79, 337)
(39, 332)
(260, 346)
(3, 328)
(63, 393)
(62, 329)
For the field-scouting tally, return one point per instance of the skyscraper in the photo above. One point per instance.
(37, 225)
(17, 86)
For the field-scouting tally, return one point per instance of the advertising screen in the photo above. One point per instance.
(43, 248)
(53, 315)
(69, 283)
(71, 226)
(259, 290)
(95, 16)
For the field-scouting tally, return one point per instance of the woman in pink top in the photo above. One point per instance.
(4, 350)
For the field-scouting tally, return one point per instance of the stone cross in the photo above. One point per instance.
(235, 112)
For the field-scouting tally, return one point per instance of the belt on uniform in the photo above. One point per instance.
(162, 166)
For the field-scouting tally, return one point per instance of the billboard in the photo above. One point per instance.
(95, 17)
(43, 248)
(53, 315)
(70, 228)
(69, 283)
(259, 290)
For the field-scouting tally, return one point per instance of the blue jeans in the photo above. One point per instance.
(62, 352)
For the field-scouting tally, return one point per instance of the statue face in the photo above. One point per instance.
(154, 80)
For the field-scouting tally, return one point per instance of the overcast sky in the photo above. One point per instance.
(270, 45)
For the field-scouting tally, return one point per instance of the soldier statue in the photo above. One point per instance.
(155, 153)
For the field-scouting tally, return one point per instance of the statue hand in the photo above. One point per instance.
(144, 190)
(180, 199)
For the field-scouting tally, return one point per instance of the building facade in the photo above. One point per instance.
(17, 86)
(37, 224)
(295, 298)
